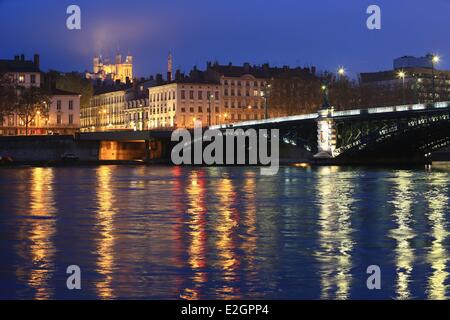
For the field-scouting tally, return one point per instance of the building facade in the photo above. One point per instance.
(221, 94)
(117, 107)
(415, 77)
(63, 113)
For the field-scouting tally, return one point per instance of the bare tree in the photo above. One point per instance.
(31, 102)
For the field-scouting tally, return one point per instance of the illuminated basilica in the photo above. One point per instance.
(120, 70)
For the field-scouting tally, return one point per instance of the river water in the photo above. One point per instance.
(224, 233)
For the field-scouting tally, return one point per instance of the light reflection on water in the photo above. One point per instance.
(224, 233)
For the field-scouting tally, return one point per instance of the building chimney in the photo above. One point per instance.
(178, 75)
(17, 58)
(36, 61)
(159, 79)
(22, 57)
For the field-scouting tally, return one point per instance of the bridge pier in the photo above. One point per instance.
(326, 134)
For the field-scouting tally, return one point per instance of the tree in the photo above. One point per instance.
(31, 102)
(8, 95)
(73, 82)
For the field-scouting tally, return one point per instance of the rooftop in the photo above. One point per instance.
(19, 64)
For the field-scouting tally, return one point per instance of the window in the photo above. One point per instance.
(70, 104)
(183, 94)
(21, 78)
(200, 109)
(58, 105)
(33, 78)
(58, 119)
(200, 95)
(216, 94)
(70, 118)
(191, 95)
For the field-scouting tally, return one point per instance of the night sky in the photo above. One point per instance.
(325, 33)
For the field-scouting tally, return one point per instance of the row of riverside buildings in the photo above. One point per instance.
(219, 94)
(63, 116)
(223, 94)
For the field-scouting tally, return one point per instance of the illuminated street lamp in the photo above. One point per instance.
(402, 75)
(265, 94)
(210, 98)
(341, 72)
(435, 59)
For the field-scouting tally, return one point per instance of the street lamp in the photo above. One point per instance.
(341, 72)
(265, 94)
(402, 75)
(210, 97)
(434, 60)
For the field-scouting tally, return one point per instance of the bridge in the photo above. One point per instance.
(405, 133)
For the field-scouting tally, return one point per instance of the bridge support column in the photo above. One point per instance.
(326, 134)
(148, 150)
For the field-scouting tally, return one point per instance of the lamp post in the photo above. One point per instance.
(434, 60)
(210, 97)
(341, 72)
(326, 98)
(265, 94)
(401, 74)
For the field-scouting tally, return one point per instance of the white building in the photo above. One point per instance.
(63, 116)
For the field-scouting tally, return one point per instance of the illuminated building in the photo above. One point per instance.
(63, 115)
(218, 95)
(417, 75)
(121, 70)
(117, 107)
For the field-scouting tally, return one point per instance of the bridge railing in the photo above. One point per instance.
(345, 113)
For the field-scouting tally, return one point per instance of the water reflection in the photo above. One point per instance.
(36, 234)
(105, 233)
(250, 239)
(335, 198)
(197, 234)
(403, 233)
(228, 260)
(221, 233)
(437, 255)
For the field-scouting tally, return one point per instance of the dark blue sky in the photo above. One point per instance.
(326, 33)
